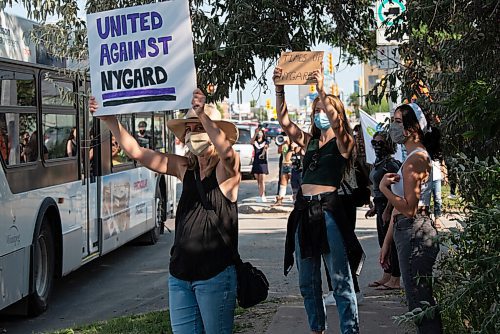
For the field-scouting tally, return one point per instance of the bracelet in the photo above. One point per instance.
(280, 93)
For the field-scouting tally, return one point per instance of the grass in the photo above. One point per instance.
(157, 322)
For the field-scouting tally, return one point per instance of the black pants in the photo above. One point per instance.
(382, 227)
(350, 211)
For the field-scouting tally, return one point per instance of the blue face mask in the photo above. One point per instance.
(321, 121)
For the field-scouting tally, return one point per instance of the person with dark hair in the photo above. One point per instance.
(296, 177)
(411, 227)
(71, 149)
(23, 145)
(142, 136)
(285, 174)
(259, 165)
(384, 163)
(202, 281)
(317, 226)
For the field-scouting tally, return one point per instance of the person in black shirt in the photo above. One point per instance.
(142, 136)
(259, 166)
(202, 282)
(384, 163)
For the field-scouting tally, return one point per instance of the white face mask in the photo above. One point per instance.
(197, 142)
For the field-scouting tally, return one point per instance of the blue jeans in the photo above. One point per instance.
(343, 289)
(203, 306)
(436, 193)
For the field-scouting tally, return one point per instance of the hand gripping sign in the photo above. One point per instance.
(141, 58)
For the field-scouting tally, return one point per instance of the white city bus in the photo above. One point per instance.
(65, 201)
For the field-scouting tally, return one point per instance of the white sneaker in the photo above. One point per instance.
(329, 299)
(451, 196)
(360, 298)
(263, 199)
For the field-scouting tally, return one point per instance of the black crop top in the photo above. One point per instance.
(323, 166)
(199, 252)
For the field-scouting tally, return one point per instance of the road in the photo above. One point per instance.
(133, 279)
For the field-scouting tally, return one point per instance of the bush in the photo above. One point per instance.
(467, 285)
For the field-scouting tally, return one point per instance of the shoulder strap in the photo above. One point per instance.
(211, 212)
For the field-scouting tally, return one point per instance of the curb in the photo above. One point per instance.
(262, 209)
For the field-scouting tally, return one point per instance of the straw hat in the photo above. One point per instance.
(178, 126)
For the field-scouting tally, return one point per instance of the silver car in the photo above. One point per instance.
(245, 150)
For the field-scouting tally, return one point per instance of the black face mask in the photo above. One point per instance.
(379, 148)
(380, 151)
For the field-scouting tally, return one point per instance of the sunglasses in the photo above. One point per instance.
(315, 162)
(377, 143)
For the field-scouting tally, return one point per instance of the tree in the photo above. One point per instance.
(453, 52)
(228, 34)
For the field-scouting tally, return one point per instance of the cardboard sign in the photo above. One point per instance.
(298, 67)
(141, 58)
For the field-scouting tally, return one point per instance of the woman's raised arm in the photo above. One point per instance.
(222, 145)
(170, 164)
(293, 131)
(345, 141)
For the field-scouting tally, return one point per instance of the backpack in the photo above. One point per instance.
(361, 194)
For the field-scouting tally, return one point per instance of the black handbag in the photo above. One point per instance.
(253, 286)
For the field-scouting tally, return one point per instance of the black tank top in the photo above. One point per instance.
(328, 164)
(199, 252)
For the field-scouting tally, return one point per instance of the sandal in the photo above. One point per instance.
(375, 284)
(384, 287)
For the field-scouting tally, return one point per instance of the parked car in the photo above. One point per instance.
(271, 129)
(245, 149)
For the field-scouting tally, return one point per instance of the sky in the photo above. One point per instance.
(344, 74)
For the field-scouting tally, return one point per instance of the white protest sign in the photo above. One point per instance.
(369, 127)
(141, 58)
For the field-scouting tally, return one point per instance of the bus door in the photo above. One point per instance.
(90, 148)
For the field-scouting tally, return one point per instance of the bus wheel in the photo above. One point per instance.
(154, 235)
(42, 270)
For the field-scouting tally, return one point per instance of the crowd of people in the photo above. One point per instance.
(324, 169)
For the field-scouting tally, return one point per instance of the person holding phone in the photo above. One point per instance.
(259, 166)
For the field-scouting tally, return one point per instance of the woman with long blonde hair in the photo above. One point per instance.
(318, 226)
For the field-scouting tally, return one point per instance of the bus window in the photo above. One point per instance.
(16, 146)
(59, 131)
(17, 89)
(159, 135)
(58, 93)
(118, 156)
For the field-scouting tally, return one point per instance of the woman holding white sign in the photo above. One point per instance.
(202, 282)
(318, 227)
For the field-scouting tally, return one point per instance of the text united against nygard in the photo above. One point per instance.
(110, 27)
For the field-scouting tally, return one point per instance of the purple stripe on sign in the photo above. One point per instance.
(139, 92)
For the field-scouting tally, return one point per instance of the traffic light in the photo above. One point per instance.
(335, 89)
(330, 62)
(211, 89)
(268, 104)
(312, 88)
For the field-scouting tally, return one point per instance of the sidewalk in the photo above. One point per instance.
(375, 314)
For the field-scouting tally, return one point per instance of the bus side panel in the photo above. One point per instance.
(128, 206)
(72, 254)
(14, 284)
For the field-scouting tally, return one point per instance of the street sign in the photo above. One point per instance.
(386, 12)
